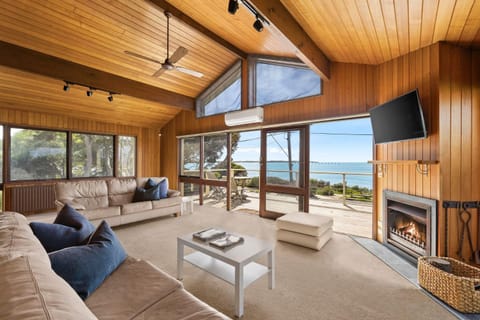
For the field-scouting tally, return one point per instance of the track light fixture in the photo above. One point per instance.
(66, 86)
(232, 6)
(260, 20)
(90, 90)
(258, 25)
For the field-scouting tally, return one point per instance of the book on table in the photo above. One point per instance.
(226, 241)
(209, 234)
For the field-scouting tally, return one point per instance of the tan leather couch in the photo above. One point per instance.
(30, 289)
(111, 200)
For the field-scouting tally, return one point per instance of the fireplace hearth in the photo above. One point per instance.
(410, 224)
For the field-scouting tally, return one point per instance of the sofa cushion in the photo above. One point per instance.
(141, 182)
(162, 184)
(86, 267)
(31, 290)
(191, 308)
(70, 228)
(168, 202)
(17, 239)
(91, 194)
(125, 294)
(142, 194)
(120, 191)
(136, 207)
(101, 213)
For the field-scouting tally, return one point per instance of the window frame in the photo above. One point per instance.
(70, 152)
(217, 87)
(116, 152)
(278, 61)
(7, 155)
(7, 177)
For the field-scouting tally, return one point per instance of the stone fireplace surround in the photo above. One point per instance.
(409, 224)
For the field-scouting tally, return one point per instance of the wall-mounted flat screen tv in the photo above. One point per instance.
(398, 119)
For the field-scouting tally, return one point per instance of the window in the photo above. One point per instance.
(126, 156)
(223, 95)
(92, 155)
(37, 154)
(215, 157)
(190, 157)
(273, 80)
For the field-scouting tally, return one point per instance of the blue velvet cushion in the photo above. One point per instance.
(142, 194)
(86, 267)
(70, 228)
(162, 184)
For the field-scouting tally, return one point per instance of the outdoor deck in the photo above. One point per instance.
(354, 218)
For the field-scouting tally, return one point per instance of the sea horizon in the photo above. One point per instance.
(326, 171)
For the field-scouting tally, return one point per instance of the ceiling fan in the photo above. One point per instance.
(169, 63)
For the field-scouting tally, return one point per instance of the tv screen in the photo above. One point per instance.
(398, 119)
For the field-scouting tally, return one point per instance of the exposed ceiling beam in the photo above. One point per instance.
(33, 61)
(285, 23)
(164, 5)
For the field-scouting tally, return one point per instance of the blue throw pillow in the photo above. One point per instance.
(86, 267)
(70, 228)
(162, 184)
(142, 194)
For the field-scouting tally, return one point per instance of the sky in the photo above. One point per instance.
(333, 141)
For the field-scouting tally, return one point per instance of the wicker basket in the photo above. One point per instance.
(457, 289)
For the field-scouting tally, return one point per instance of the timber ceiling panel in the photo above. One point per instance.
(30, 92)
(96, 33)
(375, 31)
(237, 29)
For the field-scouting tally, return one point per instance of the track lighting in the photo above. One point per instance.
(260, 20)
(90, 90)
(232, 6)
(66, 86)
(258, 25)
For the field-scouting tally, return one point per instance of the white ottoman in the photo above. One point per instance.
(305, 229)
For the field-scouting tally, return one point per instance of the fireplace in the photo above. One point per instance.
(410, 224)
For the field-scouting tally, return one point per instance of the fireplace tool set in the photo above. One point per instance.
(464, 217)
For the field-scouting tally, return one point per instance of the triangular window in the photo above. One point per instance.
(223, 95)
(280, 79)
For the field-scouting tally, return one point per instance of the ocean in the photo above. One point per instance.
(327, 169)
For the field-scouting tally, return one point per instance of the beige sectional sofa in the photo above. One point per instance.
(111, 200)
(30, 289)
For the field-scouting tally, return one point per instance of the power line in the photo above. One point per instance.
(342, 134)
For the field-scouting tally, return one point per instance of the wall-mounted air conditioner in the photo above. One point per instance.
(237, 118)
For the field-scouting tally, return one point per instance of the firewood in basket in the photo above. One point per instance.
(441, 264)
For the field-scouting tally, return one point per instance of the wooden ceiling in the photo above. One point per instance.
(375, 31)
(96, 33)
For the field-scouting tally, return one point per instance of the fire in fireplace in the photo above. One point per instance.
(410, 223)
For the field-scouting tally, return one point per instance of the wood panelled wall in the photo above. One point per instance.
(419, 69)
(348, 92)
(459, 104)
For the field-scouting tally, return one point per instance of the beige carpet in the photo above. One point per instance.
(342, 281)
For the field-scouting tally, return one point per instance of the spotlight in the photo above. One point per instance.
(90, 92)
(258, 25)
(66, 86)
(110, 97)
(232, 6)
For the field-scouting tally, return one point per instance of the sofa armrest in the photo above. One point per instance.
(173, 193)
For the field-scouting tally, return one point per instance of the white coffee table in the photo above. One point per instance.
(234, 265)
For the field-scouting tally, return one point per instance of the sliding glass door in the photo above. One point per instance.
(283, 186)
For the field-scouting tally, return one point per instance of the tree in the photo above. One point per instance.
(38, 154)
